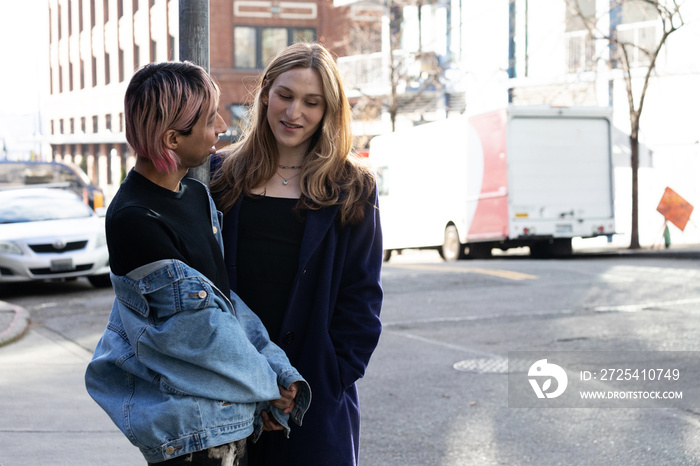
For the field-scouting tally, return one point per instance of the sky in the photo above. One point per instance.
(23, 54)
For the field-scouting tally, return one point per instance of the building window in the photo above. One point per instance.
(82, 73)
(137, 51)
(639, 26)
(94, 71)
(107, 69)
(171, 47)
(580, 45)
(256, 46)
(108, 122)
(94, 124)
(153, 51)
(82, 125)
(60, 23)
(121, 65)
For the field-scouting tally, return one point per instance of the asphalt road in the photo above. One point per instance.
(437, 389)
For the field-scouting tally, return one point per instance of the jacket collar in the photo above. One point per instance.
(131, 288)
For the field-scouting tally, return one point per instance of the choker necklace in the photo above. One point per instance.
(290, 167)
(285, 181)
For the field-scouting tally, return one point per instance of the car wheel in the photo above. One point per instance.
(100, 281)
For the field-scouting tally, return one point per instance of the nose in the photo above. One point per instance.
(294, 109)
(220, 125)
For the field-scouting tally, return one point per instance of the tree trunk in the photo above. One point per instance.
(634, 147)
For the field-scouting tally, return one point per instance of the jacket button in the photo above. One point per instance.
(202, 294)
(215, 230)
(169, 451)
(288, 338)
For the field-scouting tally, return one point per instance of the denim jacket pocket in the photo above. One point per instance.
(192, 294)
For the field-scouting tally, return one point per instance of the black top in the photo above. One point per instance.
(146, 223)
(269, 241)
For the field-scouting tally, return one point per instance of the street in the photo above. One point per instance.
(437, 389)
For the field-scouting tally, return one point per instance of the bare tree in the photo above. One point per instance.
(399, 61)
(668, 13)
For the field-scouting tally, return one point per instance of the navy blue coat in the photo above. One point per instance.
(330, 329)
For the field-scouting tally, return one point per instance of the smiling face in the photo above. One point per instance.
(295, 109)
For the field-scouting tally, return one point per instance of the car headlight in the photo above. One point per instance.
(9, 247)
(101, 240)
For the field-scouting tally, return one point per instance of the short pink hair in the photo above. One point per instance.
(161, 97)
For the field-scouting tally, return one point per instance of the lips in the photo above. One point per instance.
(291, 126)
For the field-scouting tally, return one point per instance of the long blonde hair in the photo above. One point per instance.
(332, 173)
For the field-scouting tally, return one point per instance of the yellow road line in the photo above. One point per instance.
(509, 274)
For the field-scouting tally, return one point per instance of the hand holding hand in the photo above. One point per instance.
(286, 403)
(269, 422)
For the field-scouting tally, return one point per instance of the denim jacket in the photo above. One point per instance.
(182, 367)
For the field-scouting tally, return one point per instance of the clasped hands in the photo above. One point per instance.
(284, 404)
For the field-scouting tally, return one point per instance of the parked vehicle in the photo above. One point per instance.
(519, 176)
(61, 174)
(48, 234)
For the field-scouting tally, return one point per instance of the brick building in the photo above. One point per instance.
(95, 45)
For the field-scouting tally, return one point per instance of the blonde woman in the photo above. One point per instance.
(302, 242)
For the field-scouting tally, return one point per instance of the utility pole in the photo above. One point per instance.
(194, 47)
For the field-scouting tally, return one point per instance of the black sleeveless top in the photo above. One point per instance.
(269, 240)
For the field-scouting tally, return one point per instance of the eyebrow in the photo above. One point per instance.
(307, 95)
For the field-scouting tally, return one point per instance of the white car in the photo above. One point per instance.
(49, 234)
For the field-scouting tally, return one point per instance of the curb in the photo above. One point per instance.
(18, 326)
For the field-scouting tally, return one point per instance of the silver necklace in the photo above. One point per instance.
(285, 181)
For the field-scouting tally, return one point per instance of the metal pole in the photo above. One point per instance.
(194, 47)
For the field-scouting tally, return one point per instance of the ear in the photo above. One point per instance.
(170, 139)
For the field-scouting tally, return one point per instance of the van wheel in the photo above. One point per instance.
(387, 255)
(559, 247)
(480, 250)
(452, 249)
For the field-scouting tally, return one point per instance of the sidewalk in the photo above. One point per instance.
(14, 322)
(46, 414)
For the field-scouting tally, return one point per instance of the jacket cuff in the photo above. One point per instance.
(303, 398)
